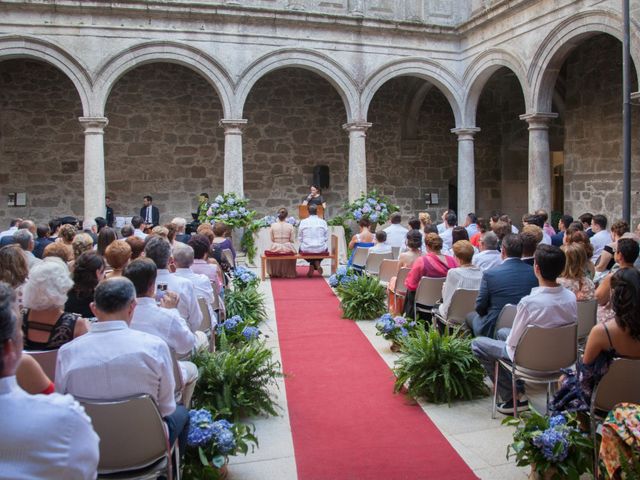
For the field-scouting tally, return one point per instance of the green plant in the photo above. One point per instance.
(230, 210)
(395, 328)
(362, 298)
(439, 367)
(372, 205)
(248, 303)
(235, 380)
(248, 243)
(551, 444)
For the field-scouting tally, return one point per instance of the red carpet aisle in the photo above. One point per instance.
(346, 421)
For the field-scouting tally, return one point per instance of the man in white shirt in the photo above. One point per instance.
(313, 235)
(443, 226)
(113, 361)
(601, 236)
(549, 305)
(43, 436)
(136, 223)
(13, 227)
(471, 224)
(489, 255)
(396, 233)
(450, 221)
(381, 245)
(24, 238)
(159, 250)
(164, 321)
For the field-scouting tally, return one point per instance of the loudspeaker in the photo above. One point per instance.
(321, 176)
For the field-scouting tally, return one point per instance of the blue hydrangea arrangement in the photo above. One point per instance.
(244, 278)
(342, 276)
(230, 210)
(233, 331)
(553, 444)
(395, 328)
(373, 206)
(214, 441)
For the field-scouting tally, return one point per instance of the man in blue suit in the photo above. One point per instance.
(505, 283)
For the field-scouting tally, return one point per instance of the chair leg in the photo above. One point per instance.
(495, 390)
(514, 394)
(594, 432)
(548, 396)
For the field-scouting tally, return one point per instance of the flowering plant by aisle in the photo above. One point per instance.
(230, 210)
(235, 330)
(244, 278)
(395, 328)
(342, 276)
(551, 444)
(373, 205)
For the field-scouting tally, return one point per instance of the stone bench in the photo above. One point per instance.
(333, 255)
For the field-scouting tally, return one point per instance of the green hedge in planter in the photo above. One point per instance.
(362, 298)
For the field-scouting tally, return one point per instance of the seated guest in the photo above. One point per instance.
(118, 256)
(137, 246)
(43, 436)
(24, 239)
(575, 235)
(416, 225)
(160, 231)
(59, 250)
(489, 256)
(601, 237)
(14, 269)
(396, 233)
(158, 249)
(127, 231)
(45, 324)
(381, 245)
(505, 283)
(546, 226)
(606, 261)
(618, 337)
(405, 260)
(183, 260)
(163, 321)
(66, 234)
(137, 222)
(313, 235)
(220, 240)
(363, 239)
(181, 225)
(465, 276)
(425, 219)
(13, 227)
(282, 243)
(434, 264)
(585, 219)
(171, 233)
(574, 277)
(483, 226)
(457, 234)
(531, 236)
(508, 221)
(201, 248)
(31, 377)
(471, 224)
(106, 236)
(43, 239)
(537, 220)
(114, 361)
(443, 226)
(549, 305)
(87, 273)
(501, 229)
(625, 256)
(81, 243)
(563, 224)
(450, 221)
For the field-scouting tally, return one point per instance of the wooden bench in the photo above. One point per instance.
(333, 255)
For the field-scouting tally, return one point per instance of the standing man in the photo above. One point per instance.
(109, 213)
(313, 235)
(149, 212)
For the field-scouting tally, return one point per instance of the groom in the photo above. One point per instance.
(313, 235)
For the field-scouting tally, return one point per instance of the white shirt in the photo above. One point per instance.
(472, 229)
(514, 229)
(313, 235)
(468, 278)
(546, 239)
(165, 323)
(188, 305)
(380, 248)
(200, 282)
(32, 260)
(139, 233)
(447, 239)
(396, 234)
(113, 361)
(11, 231)
(441, 228)
(487, 259)
(545, 307)
(45, 436)
(599, 241)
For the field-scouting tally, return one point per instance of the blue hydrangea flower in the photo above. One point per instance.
(250, 333)
(219, 199)
(223, 435)
(342, 270)
(224, 216)
(547, 441)
(378, 208)
(242, 210)
(557, 420)
(366, 209)
(233, 214)
(357, 215)
(400, 320)
(373, 217)
(333, 281)
(403, 332)
(371, 201)
(200, 428)
(215, 206)
(231, 201)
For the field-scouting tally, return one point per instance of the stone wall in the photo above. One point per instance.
(295, 122)
(593, 123)
(41, 142)
(407, 161)
(163, 140)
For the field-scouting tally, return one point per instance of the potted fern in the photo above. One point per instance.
(439, 367)
(362, 298)
(247, 303)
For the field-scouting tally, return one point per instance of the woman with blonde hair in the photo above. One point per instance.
(14, 269)
(282, 243)
(574, 277)
(425, 219)
(81, 243)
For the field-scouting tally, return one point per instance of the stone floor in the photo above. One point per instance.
(478, 439)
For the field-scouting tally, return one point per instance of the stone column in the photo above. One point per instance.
(539, 160)
(357, 158)
(466, 170)
(233, 176)
(94, 181)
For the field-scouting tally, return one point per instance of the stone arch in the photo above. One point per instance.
(559, 43)
(152, 52)
(15, 46)
(429, 70)
(480, 71)
(320, 64)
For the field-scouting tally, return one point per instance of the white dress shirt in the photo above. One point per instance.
(45, 436)
(32, 260)
(200, 282)
(139, 233)
(447, 238)
(396, 234)
(472, 229)
(545, 307)
(468, 278)
(313, 235)
(11, 231)
(514, 229)
(441, 228)
(546, 239)
(188, 305)
(487, 259)
(113, 361)
(599, 241)
(380, 248)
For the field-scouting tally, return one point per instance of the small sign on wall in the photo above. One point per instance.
(17, 199)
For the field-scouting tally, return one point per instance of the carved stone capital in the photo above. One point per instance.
(538, 120)
(233, 126)
(465, 133)
(357, 126)
(93, 125)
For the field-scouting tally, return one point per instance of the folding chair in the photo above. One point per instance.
(228, 255)
(388, 268)
(360, 258)
(401, 290)
(506, 317)
(428, 293)
(373, 262)
(206, 325)
(396, 252)
(540, 355)
(218, 304)
(587, 319)
(462, 303)
(177, 376)
(47, 360)
(133, 441)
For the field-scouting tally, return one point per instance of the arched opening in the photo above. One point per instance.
(41, 141)
(162, 140)
(295, 120)
(411, 152)
(501, 147)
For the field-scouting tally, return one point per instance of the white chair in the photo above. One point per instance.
(401, 290)
(506, 317)
(462, 303)
(587, 319)
(133, 440)
(396, 252)
(540, 355)
(206, 325)
(373, 262)
(228, 255)
(47, 360)
(388, 268)
(428, 293)
(360, 257)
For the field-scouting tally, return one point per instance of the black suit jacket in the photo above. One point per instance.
(155, 215)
